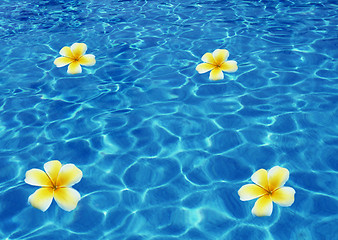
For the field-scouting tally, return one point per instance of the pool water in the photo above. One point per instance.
(163, 149)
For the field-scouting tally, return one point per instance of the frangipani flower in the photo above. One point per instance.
(268, 188)
(55, 183)
(217, 62)
(75, 56)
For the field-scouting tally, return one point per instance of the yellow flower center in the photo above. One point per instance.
(77, 58)
(53, 186)
(270, 192)
(218, 65)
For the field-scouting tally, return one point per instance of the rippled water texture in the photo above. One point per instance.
(162, 148)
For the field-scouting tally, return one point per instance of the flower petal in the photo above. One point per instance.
(208, 58)
(68, 176)
(87, 60)
(78, 49)
(37, 177)
(52, 169)
(62, 61)
(67, 198)
(260, 177)
(216, 74)
(66, 52)
(284, 196)
(263, 206)
(41, 198)
(277, 176)
(229, 66)
(251, 191)
(74, 68)
(220, 55)
(204, 67)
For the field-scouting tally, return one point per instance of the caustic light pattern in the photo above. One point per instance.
(217, 63)
(268, 188)
(55, 183)
(75, 56)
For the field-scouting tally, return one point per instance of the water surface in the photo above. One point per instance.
(162, 148)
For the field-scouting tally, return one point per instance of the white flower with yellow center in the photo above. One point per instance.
(75, 56)
(217, 63)
(55, 183)
(268, 188)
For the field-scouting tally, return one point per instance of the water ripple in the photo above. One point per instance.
(163, 149)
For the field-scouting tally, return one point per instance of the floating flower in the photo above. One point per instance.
(55, 182)
(217, 62)
(268, 188)
(75, 56)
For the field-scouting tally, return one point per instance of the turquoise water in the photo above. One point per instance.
(163, 149)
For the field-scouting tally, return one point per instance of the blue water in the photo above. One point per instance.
(163, 149)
